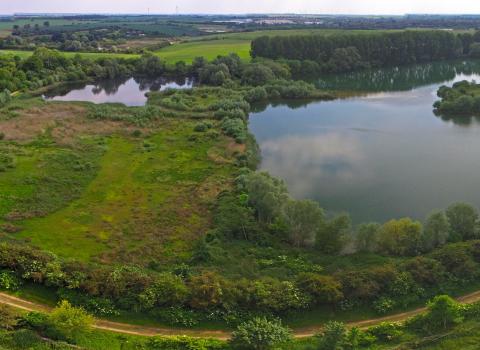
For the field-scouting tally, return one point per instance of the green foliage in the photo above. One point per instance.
(303, 218)
(400, 237)
(322, 289)
(68, 322)
(333, 235)
(235, 128)
(462, 218)
(443, 313)
(139, 116)
(9, 281)
(333, 336)
(8, 318)
(257, 74)
(436, 230)
(347, 52)
(386, 331)
(366, 238)
(260, 334)
(184, 343)
(265, 193)
(462, 99)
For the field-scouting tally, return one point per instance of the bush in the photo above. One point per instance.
(202, 127)
(9, 281)
(386, 331)
(184, 343)
(260, 334)
(67, 321)
(235, 128)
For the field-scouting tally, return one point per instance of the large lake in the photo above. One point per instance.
(130, 92)
(381, 155)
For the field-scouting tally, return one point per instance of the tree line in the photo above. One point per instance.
(347, 52)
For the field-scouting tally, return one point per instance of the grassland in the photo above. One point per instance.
(88, 190)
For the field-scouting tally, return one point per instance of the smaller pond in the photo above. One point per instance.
(130, 92)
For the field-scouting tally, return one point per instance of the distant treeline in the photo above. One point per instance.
(349, 52)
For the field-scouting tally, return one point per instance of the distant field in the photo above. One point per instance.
(210, 46)
(92, 55)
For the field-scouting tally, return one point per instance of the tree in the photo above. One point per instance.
(462, 218)
(167, 290)
(303, 219)
(436, 230)
(234, 218)
(443, 312)
(366, 238)
(400, 237)
(333, 336)
(323, 289)
(205, 290)
(260, 334)
(69, 321)
(257, 74)
(266, 194)
(150, 64)
(46, 24)
(332, 235)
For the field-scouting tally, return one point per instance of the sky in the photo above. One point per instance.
(242, 6)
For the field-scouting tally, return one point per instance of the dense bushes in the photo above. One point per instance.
(463, 98)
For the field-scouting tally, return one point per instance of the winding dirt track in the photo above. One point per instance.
(223, 335)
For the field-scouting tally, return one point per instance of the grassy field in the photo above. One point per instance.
(88, 190)
(207, 46)
(6, 27)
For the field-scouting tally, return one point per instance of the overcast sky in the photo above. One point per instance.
(242, 6)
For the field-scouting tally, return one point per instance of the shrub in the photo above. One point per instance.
(333, 336)
(235, 128)
(184, 343)
(443, 313)
(386, 331)
(260, 334)
(9, 281)
(8, 318)
(67, 321)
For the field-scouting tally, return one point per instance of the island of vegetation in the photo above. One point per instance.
(462, 99)
(158, 213)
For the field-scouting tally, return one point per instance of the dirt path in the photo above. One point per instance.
(223, 335)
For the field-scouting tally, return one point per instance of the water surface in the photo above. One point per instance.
(378, 156)
(130, 92)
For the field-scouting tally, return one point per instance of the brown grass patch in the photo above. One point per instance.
(64, 122)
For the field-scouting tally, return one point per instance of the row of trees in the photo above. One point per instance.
(346, 52)
(262, 201)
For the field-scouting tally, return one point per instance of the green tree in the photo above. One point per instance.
(333, 235)
(366, 238)
(436, 230)
(323, 289)
(333, 336)
(69, 321)
(462, 218)
(400, 237)
(257, 74)
(266, 194)
(260, 334)
(303, 217)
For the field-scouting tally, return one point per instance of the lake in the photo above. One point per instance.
(381, 155)
(130, 92)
